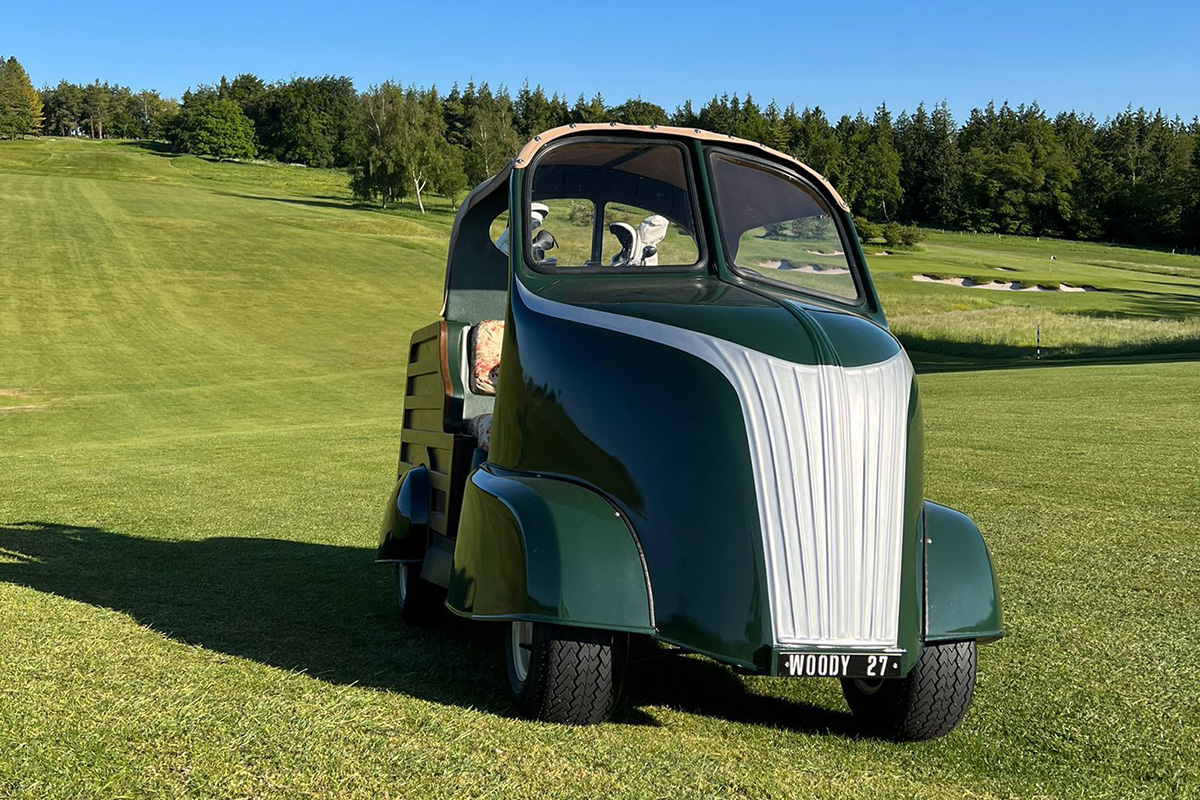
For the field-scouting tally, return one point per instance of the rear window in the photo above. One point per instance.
(776, 228)
(612, 205)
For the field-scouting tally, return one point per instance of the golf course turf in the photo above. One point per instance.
(201, 371)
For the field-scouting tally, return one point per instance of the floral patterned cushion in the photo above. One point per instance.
(486, 338)
(481, 428)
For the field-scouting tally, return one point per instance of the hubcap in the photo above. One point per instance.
(522, 648)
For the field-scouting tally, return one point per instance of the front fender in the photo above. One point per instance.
(962, 600)
(546, 549)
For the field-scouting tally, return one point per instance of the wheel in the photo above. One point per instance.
(928, 702)
(571, 676)
(420, 601)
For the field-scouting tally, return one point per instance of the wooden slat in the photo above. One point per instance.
(442, 441)
(425, 366)
(423, 401)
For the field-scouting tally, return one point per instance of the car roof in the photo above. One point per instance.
(527, 153)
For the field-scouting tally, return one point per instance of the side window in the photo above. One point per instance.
(779, 229)
(611, 205)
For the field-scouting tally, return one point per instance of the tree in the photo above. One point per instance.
(592, 110)
(929, 166)
(404, 147)
(210, 126)
(491, 139)
(533, 112)
(428, 158)
(638, 112)
(20, 104)
(63, 108)
(97, 101)
(309, 121)
(378, 170)
(811, 139)
(881, 193)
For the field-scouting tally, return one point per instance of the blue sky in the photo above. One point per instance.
(1096, 56)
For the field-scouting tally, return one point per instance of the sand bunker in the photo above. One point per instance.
(1001, 286)
(811, 269)
(825, 253)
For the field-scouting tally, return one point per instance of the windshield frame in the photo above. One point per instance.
(859, 302)
(700, 266)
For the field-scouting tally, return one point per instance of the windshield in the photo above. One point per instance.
(611, 205)
(778, 229)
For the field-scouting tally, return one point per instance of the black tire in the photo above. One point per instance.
(573, 675)
(927, 703)
(420, 602)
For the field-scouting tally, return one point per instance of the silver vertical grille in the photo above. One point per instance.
(828, 446)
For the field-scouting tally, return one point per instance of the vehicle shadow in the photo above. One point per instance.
(328, 612)
(321, 610)
(696, 685)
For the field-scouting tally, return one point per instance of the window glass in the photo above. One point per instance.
(779, 229)
(642, 191)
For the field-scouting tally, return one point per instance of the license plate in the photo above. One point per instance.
(838, 665)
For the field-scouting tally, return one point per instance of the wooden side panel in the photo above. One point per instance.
(424, 440)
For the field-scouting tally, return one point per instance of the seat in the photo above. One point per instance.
(483, 375)
(486, 340)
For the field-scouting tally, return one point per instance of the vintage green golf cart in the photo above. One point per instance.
(662, 401)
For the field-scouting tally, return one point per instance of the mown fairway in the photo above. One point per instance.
(201, 366)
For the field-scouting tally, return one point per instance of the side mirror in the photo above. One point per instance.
(649, 250)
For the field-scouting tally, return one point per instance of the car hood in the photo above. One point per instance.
(777, 326)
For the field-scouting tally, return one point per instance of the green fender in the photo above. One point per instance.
(404, 533)
(546, 549)
(961, 597)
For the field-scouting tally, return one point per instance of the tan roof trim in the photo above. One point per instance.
(542, 139)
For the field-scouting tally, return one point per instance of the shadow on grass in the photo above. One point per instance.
(320, 202)
(930, 354)
(149, 146)
(699, 686)
(328, 612)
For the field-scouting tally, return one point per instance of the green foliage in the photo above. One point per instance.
(897, 235)
(580, 212)
(867, 230)
(1012, 170)
(489, 135)
(211, 126)
(404, 147)
(638, 112)
(101, 109)
(20, 104)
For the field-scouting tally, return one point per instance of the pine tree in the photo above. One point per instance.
(20, 104)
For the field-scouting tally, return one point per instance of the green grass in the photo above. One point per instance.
(188, 605)
(1148, 301)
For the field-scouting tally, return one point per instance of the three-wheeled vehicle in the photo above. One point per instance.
(662, 401)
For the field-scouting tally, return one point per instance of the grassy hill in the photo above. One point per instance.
(200, 380)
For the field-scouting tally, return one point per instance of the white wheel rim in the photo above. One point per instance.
(522, 648)
(401, 583)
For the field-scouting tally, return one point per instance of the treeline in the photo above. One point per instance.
(1017, 170)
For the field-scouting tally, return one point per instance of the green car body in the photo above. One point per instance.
(725, 464)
